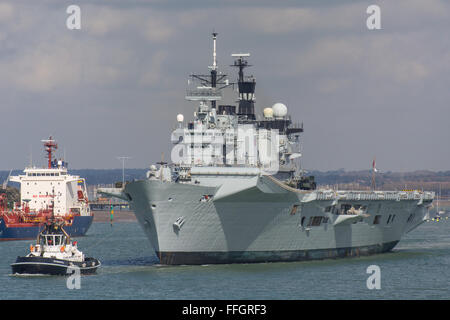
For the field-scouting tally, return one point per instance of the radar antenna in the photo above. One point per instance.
(210, 85)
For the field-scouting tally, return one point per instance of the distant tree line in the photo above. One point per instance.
(12, 194)
(426, 180)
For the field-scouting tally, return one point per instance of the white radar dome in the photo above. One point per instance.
(180, 118)
(268, 112)
(279, 110)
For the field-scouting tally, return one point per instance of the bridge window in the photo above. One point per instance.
(50, 240)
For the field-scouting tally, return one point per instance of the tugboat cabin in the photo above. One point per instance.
(53, 240)
(53, 236)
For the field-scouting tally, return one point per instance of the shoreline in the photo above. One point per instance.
(119, 216)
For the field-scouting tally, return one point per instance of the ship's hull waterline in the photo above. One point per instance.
(78, 228)
(53, 266)
(201, 258)
(264, 221)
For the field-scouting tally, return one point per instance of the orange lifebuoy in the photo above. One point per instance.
(63, 248)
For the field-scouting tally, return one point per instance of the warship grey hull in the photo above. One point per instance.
(258, 219)
(197, 258)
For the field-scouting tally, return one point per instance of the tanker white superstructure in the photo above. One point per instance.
(234, 191)
(39, 186)
(44, 187)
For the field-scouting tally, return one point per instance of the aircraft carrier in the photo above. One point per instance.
(235, 191)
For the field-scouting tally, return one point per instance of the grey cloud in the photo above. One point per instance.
(115, 87)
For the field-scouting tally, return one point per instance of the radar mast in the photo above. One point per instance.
(208, 89)
(50, 145)
(246, 87)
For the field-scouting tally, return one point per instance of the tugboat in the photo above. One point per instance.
(54, 254)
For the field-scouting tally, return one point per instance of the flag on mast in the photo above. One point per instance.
(374, 169)
(373, 166)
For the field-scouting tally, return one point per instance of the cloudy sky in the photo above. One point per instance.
(114, 87)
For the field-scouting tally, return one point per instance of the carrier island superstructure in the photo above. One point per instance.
(234, 191)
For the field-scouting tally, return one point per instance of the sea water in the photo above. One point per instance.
(417, 268)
